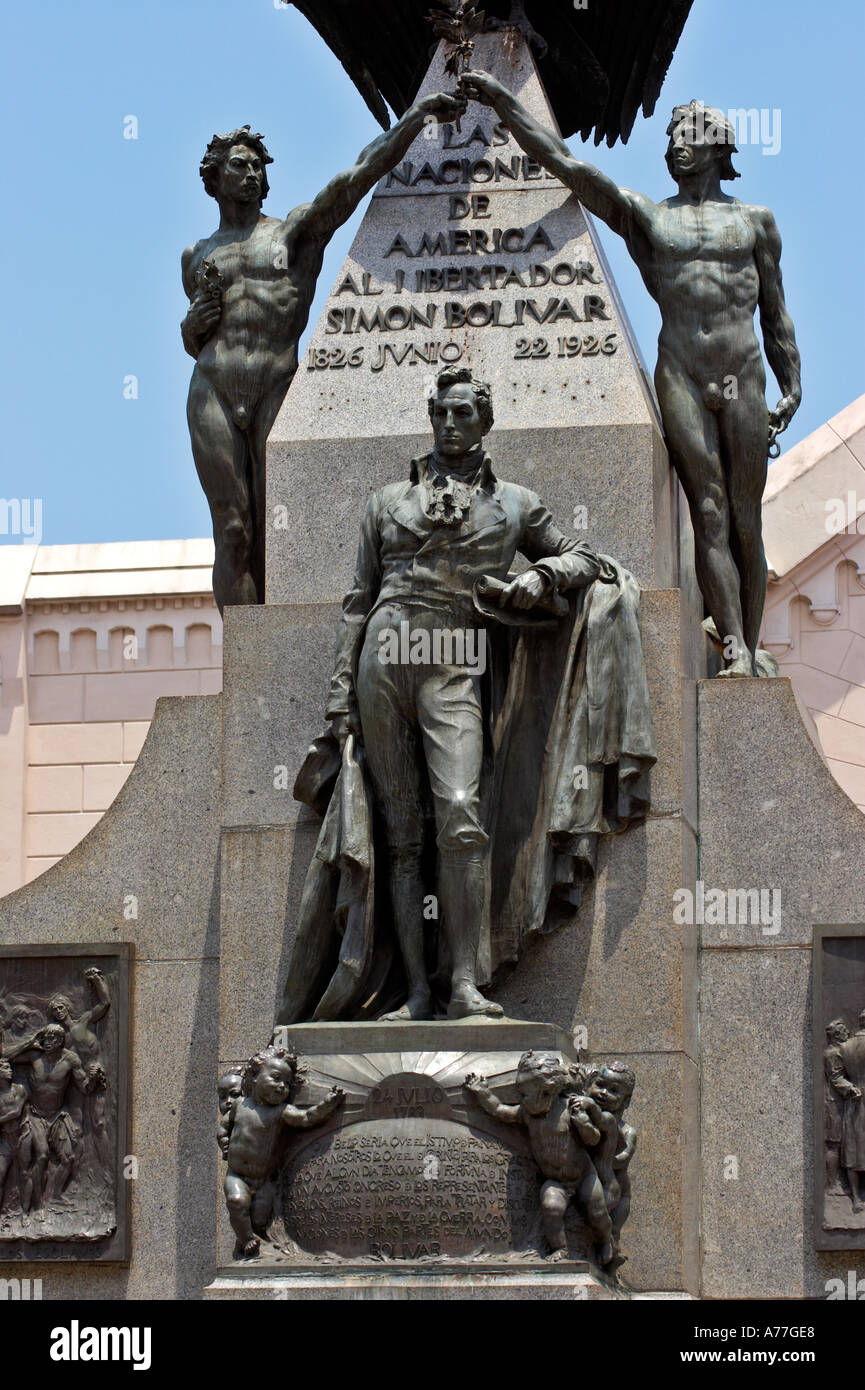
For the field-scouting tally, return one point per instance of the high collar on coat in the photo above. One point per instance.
(485, 512)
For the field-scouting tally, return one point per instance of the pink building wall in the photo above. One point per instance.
(90, 637)
(814, 531)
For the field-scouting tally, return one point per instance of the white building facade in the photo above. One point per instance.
(90, 637)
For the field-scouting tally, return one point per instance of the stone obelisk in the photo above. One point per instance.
(470, 253)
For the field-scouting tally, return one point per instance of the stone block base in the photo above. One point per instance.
(565, 1282)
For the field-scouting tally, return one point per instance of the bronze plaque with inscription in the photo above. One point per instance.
(410, 1177)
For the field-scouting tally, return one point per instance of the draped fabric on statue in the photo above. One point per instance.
(569, 751)
(573, 745)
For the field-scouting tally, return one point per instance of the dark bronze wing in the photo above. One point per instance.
(601, 64)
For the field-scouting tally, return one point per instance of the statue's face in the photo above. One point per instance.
(241, 176)
(228, 1090)
(5, 1070)
(539, 1092)
(58, 1009)
(837, 1034)
(610, 1090)
(273, 1083)
(53, 1039)
(18, 1021)
(689, 150)
(456, 421)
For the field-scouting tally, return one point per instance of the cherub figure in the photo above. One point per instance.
(562, 1126)
(229, 1088)
(611, 1087)
(249, 1134)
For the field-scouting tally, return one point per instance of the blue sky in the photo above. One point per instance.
(95, 224)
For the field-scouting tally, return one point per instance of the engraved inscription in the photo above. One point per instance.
(409, 1177)
(404, 1188)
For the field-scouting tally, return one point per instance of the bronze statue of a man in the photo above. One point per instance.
(710, 261)
(250, 285)
(411, 687)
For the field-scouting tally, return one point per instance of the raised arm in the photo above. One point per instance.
(598, 193)
(26, 1051)
(311, 1115)
(779, 338)
(480, 1091)
(337, 200)
(96, 980)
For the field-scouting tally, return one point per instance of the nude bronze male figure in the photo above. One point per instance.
(250, 285)
(709, 261)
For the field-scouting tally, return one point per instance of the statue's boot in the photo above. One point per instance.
(407, 899)
(461, 902)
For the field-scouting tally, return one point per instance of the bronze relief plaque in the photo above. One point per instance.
(64, 1101)
(407, 1172)
(839, 1087)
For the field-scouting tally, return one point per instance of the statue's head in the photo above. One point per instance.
(541, 1076)
(270, 1075)
(234, 167)
(19, 1018)
(53, 1037)
(837, 1031)
(60, 1008)
(698, 137)
(461, 410)
(613, 1087)
(5, 1069)
(229, 1087)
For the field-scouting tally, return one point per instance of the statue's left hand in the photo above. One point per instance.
(525, 590)
(780, 417)
(479, 86)
(443, 106)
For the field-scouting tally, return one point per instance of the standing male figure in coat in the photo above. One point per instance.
(850, 1083)
(424, 544)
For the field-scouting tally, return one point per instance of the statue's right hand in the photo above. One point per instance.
(342, 725)
(481, 86)
(203, 316)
